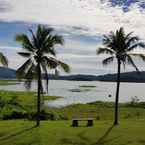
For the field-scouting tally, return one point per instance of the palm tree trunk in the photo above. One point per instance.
(39, 95)
(117, 93)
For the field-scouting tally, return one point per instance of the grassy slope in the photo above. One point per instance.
(129, 132)
(98, 110)
(25, 97)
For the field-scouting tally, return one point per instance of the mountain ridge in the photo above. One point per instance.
(9, 73)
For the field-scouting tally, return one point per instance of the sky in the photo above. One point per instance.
(82, 24)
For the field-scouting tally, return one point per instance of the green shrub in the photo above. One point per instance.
(43, 116)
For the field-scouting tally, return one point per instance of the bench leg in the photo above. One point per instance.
(75, 123)
(90, 123)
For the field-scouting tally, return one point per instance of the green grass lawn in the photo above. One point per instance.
(129, 132)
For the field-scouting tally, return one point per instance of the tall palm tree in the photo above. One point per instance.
(41, 56)
(120, 46)
(3, 60)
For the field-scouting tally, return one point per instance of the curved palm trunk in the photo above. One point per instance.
(39, 95)
(117, 93)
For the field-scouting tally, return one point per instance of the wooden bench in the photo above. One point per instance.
(76, 120)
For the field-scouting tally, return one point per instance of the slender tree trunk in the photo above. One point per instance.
(47, 83)
(117, 93)
(39, 95)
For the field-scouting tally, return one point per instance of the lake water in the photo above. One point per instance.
(73, 93)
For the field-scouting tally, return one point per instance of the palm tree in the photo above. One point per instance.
(41, 56)
(3, 60)
(120, 46)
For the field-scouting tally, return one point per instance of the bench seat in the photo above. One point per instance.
(76, 120)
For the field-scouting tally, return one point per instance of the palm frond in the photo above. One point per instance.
(54, 63)
(24, 54)
(57, 39)
(105, 51)
(64, 66)
(3, 59)
(29, 76)
(49, 49)
(108, 60)
(136, 45)
(107, 39)
(131, 62)
(51, 62)
(34, 40)
(42, 34)
(22, 71)
(128, 36)
(24, 40)
(139, 55)
(50, 42)
(131, 40)
(142, 56)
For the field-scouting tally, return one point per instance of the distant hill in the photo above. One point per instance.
(77, 77)
(8, 73)
(125, 77)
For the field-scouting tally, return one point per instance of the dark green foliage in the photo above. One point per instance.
(15, 114)
(3, 60)
(11, 109)
(43, 116)
(18, 105)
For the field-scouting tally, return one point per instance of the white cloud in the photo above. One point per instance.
(98, 17)
(86, 17)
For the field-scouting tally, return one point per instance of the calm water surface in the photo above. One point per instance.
(73, 93)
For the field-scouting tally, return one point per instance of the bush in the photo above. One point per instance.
(14, 115)
(43, 116)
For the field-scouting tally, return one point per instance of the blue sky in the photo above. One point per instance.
(81, 22)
